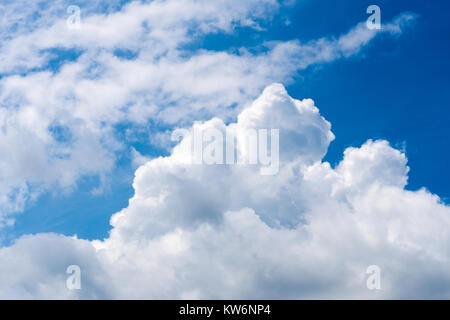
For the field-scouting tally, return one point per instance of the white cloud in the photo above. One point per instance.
(164, 82)
(228, 232)
(194, 231)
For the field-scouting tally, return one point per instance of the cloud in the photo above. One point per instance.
(64, 93)
(196, 231)
(216, 231)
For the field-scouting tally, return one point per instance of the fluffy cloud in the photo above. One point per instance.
(64, 93)
(217, 231)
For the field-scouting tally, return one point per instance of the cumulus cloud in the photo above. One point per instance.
(64, 93)
(218, 231)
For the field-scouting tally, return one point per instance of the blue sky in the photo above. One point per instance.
(396, 89)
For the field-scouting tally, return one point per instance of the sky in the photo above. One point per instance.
(89, 170)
